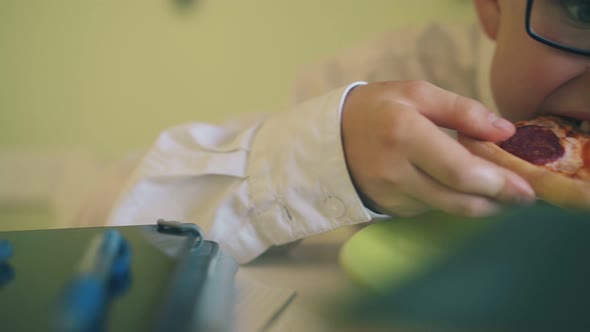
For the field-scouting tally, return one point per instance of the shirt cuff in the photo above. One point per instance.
(299, 183)
(345, 95)
(375, 215)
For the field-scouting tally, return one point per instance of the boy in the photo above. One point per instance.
(337, 159)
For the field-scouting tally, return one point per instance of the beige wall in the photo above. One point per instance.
(108, 75)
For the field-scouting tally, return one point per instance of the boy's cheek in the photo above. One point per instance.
(572, 98)
(514, 96)
(521, 86)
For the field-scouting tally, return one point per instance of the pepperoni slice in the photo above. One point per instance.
(535, 144)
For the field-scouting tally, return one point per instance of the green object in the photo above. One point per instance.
(389, 252)
(527, 271)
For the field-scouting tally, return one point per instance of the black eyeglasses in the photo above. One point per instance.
(563, 24)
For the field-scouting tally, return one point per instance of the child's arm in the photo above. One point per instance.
(403, 164)
(251, 184)
(272, 180)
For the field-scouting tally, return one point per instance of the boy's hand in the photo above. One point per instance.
(403, 164)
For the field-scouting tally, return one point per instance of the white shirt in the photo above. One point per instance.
(250, 185)
(272, 179)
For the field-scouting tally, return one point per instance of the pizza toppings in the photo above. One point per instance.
(552, 153)
(535, 144)
(558, 144)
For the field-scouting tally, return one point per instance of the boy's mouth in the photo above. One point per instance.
(578, 117)
(581, 119)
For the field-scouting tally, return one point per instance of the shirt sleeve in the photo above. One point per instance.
(252, 184)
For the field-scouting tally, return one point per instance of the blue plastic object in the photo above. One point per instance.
(6, 251)
(84, 302)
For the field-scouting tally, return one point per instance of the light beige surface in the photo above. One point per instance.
(109, 75)
(312, 271)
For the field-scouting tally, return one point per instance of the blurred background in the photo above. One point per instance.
(85, 83)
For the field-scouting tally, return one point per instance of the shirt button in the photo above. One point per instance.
(334, 207)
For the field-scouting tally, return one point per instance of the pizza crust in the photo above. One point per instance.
(555, 188)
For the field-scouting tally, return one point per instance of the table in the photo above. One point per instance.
(311, 269)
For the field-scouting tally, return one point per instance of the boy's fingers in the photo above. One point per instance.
(443, 158)
(404, 206)
(453, 111)
(443, 198)
(425, 193)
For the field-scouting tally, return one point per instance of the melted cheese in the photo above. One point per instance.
(572, 162)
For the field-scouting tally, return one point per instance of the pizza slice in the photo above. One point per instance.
(552, 153)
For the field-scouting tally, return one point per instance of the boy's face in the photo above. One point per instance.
(529, 78)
